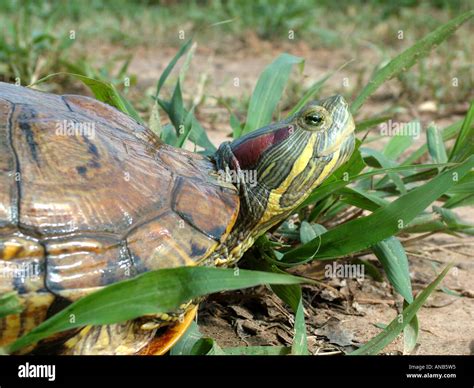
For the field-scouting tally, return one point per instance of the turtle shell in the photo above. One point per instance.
(90, 197)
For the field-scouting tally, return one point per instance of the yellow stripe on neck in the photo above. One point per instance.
(300, 164)
(273, 206)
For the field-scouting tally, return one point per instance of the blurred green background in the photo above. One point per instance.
(128, 43)
(36, 36)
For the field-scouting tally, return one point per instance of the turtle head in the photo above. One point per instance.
(276, 167)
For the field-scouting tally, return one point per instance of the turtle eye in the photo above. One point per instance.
(314, 119)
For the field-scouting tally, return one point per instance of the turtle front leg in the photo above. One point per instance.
(229, 170)
(148, 335)
(117, 339)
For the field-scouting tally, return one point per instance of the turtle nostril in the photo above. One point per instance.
(338, 99)
(334, 101)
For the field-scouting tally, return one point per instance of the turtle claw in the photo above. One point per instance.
(162, 343)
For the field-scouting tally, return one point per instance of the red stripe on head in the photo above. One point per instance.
(248, 152)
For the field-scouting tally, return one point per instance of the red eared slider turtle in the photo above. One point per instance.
(89, 197)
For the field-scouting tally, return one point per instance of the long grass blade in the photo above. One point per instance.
(376, 344)
(409, 57)
(150, 293)
(381, 224)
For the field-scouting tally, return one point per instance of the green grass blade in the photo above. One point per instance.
(384, 162)
(105, 92)
(410, 334)
(451, 219)
(464, 146)
(168, 134)
(391, 254)
(9, 304)
(459, 200)
(150, 293)
(199, 136)
(394, 260)
(180, 117)
(187, 131)
(235, 125)
(170, 66)
(435, 144)
(465, 185)
(409, 57)
(332, 186)
(300, 340)
(320, 208)
(421, 220)
(369, 123)
(376, 344)
(187, 62)
(185, 344)
(307, 233)
(362, 199)
(291, 295)
(353, 166)
(396, 146)
(447, 133)
(154, 123)
(183, 120)
(268, 91)
(381, 224)
(206, 347)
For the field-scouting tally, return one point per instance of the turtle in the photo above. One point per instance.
(90, 197)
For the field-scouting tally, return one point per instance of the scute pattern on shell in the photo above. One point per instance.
(90, 209)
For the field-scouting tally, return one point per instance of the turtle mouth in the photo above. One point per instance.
(344, 137)
(346, 147)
